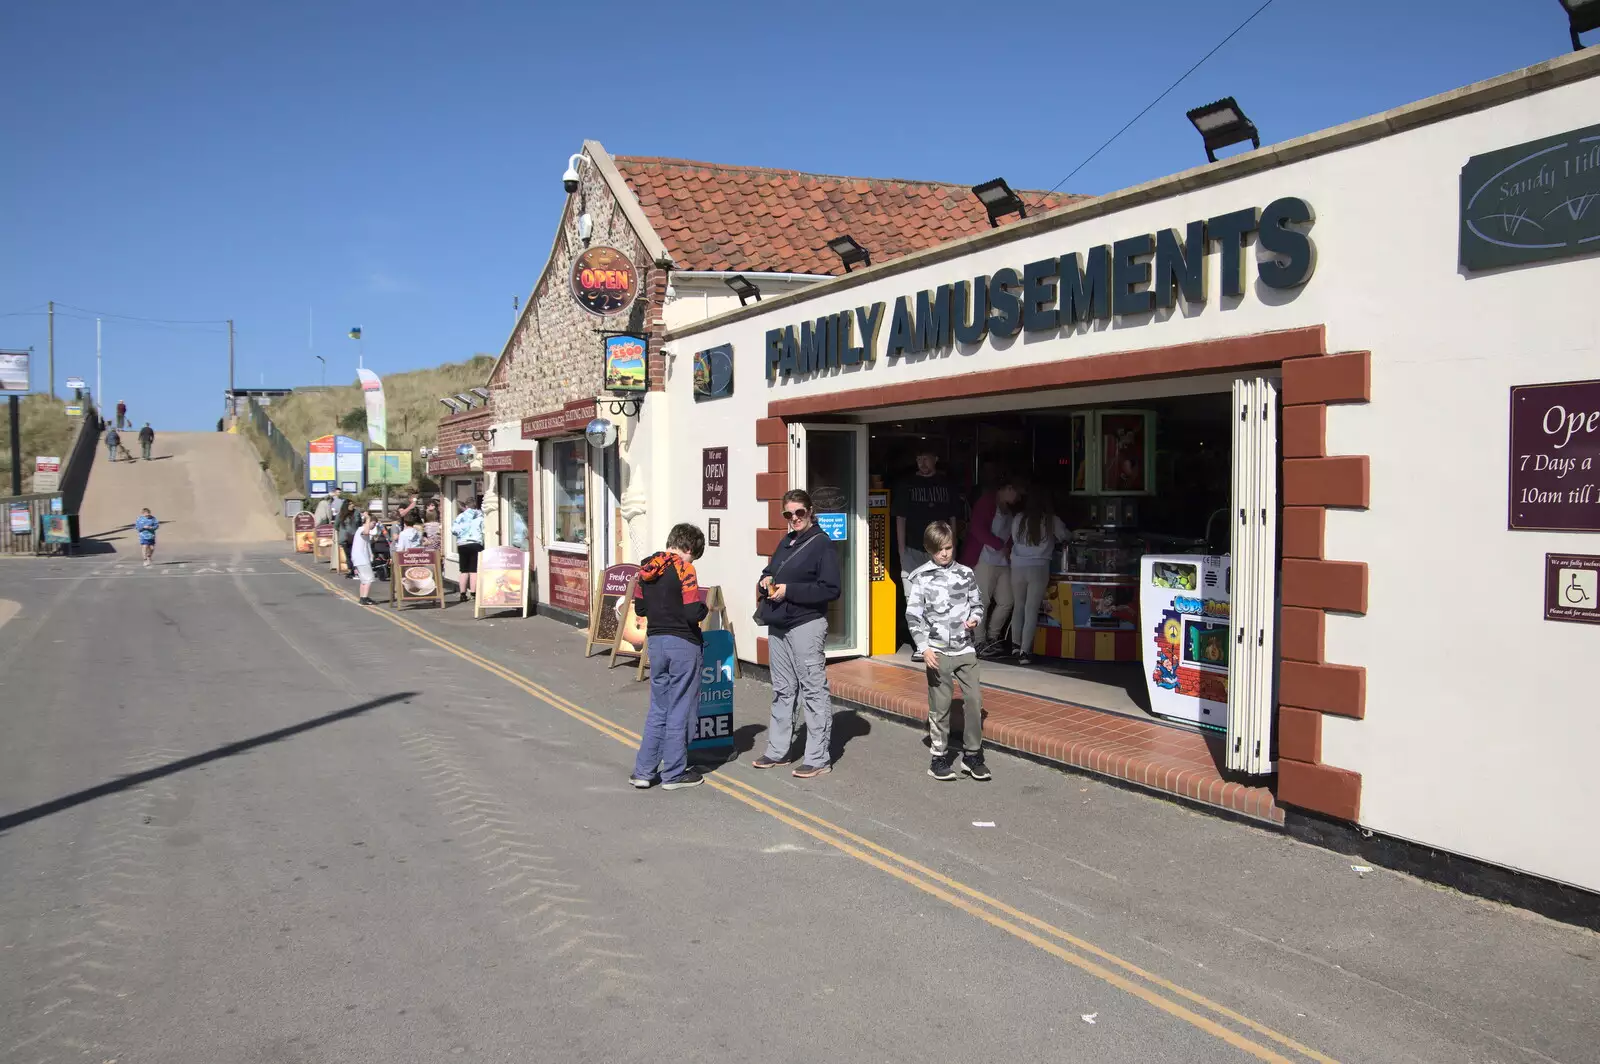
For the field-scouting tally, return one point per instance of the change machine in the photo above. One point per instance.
(1184, 612)
(881, 596)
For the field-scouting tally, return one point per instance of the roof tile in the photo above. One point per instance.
(714, 217)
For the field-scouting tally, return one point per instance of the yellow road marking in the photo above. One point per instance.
(951, 891)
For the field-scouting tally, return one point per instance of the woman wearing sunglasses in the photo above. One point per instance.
(793, 595)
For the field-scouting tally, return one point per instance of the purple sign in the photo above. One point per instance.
(1555, 443)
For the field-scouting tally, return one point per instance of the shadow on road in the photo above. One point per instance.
(122, 783)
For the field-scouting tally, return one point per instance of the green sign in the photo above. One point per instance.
(1532, 202)
(388, 467)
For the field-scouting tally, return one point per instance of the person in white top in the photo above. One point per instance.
(361, 554)
(1035, 532)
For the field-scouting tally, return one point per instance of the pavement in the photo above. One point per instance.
(244, 819)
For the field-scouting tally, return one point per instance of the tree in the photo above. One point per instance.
(354, 423)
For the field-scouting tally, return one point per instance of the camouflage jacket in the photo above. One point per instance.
(940, 599)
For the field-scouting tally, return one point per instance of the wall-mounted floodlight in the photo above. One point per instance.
(849, 251)
(1582, 16)
(481, 393)
(455, 407)
(998, 199)
(1223, 123)
(743, 288)
(464, 399)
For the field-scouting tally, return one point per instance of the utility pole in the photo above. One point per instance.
(16, 445)
(99, 399)
(52, 349)
(233, 400)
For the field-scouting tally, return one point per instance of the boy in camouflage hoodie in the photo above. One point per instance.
(944, 607)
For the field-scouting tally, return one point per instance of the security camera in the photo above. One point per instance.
(569, 180)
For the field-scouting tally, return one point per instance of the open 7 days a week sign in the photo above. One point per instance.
(418, 578)
(1554, 482)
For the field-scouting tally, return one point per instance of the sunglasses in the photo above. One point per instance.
(793, 515)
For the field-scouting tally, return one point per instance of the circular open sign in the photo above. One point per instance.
(604, 281)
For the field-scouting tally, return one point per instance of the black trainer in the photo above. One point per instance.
(690, 778)
(972, 765)
(942, 767)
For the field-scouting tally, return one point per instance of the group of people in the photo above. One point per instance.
(369, 536)
(113, 441)
(945, 607)
(1011, 539)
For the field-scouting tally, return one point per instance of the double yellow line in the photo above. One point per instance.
(1176, 1001)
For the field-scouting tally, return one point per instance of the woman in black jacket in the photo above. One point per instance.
(794, 592)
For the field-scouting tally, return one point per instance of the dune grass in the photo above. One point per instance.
(46, 429)
(411, 400)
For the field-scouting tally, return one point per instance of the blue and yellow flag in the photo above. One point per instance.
(355, 334)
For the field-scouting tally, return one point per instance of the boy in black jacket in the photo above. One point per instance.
(668, 598)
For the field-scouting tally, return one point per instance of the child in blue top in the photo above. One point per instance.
(146, 524)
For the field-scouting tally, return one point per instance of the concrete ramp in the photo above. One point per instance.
(205, 487)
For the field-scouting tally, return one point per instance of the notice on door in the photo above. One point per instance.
(1555, 441)
(1572, 588)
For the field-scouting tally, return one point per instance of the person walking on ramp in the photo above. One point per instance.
(146, 524)
(669, 601)
(944, 607)
(147, 439)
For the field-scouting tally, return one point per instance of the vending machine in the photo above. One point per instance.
(1184, 616)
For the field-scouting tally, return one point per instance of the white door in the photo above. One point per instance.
(829, 462)
(1251, 680)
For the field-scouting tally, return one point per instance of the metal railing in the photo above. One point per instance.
(277, 442)
(75, 468)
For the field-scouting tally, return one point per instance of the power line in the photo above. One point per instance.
(1164, 94)
(155, 321)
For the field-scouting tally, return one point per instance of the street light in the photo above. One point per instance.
(1582, 16)
(998, 199)
(743, 288)
(1223, 123)
(849, 251)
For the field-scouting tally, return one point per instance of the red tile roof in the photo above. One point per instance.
(714, 217)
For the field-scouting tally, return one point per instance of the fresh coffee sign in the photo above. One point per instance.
(1555, 442)
(1531, 202)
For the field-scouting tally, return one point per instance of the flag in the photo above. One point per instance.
(377, 422)
(355, 334)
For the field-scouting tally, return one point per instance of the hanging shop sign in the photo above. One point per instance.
(502, 580)
(713, 372)
(1554, 485)
(605, 618)
(1532, 202)
(570, 419)
(625, 364)
(1131, 277)
(305, 532)
(604, 281)
(714, 478)
(1572, 588)
(448, 464)
(508, 462)
(421, 578)
(569, 581)
(388, 467)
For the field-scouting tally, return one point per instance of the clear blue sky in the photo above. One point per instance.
(397, 165)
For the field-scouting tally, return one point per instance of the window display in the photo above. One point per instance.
(514, 510)
(569, 522)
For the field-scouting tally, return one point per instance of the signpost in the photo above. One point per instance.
(418, 577)
(502, 580)
(305, 532)
(608, 607)
(46, 474)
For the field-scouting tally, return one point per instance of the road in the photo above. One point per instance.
(243, 819)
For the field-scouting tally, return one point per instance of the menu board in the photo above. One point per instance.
(324, 543)
(569, 581)
(606, 616)
(305, 532)
(418, 578)
(502, 580)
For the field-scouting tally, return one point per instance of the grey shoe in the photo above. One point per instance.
(690, 778)
(972, 765)
(942, 767)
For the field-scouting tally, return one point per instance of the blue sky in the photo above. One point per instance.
(397, 165)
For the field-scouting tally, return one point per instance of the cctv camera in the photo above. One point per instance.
(569, 179)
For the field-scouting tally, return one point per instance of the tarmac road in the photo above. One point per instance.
(245, 820)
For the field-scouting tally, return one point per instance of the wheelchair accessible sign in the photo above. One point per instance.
(714, 726)
(1572, 588)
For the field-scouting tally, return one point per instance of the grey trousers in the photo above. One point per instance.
(941, 689)
(799, 675)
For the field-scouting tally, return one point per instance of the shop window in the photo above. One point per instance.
(514, 510)
(569, 468)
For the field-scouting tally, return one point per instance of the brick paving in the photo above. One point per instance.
(1165, 759)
